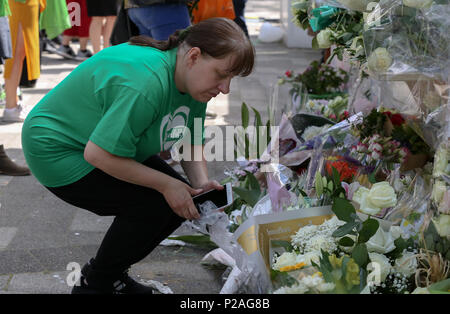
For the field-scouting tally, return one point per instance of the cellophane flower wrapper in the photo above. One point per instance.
(441, 177)
(364, 94)
(405, 40)
(248, 277)
(355, 5)
(412, 212)
(277, 182)
(281, 145)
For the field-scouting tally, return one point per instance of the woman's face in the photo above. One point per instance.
(206, 77)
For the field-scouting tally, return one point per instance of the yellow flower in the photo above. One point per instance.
(292, 267)
(335, 261)
(352, 273)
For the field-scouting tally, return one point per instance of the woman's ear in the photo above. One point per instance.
(193, 56)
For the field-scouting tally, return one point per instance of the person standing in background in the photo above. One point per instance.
(158, 19)
(239, 8)
(103, 14)
(81, 31)
(24, 27)
(7, 166)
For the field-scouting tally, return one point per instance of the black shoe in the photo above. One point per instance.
(93, 281)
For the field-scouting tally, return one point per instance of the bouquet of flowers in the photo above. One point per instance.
(300, 13)
(318, 79)
(350, 253)
(408, 36)
(334, 109)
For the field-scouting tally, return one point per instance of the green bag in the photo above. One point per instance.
(322, 17)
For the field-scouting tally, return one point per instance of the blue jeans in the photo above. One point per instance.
(159, 21)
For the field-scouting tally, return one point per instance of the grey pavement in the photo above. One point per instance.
(40, 234)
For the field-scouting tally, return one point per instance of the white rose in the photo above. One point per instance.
(397, 232)
(382, 195)
(420, 290)
(442, 224)
(440, 161)
(379, 60)
(407, 264)
(361, 196)
(285, 259)
(383, 263)
(418, 4)
(324, 38)
(381, 242)
(308, 258)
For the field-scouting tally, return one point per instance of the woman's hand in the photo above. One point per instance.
(211, 185)
(179, 197)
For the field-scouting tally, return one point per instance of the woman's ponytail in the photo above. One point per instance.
(174, 41)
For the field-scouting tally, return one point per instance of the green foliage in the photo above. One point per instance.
(284, 244)
(261, 131)
(434, 242)
(317, 79)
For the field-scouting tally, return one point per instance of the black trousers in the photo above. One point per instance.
(143, 218)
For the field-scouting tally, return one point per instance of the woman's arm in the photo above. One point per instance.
(197, 171)
(177, 193)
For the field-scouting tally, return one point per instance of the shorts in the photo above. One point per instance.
(103, 7)
(80, 25)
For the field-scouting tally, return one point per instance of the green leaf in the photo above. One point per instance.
(282, 278)
(336, 177)
(346, 241)
(245, 115)
(372, 178)
(343, 209)
(314, 43)
(369, 228)
(440, 287)
(284, 244)
(360, 254)
(251, 197)
(345, 229)
(200, 240)
(253, 182)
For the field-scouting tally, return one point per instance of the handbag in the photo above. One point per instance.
(123, 28)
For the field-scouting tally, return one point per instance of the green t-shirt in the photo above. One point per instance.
(123, 99)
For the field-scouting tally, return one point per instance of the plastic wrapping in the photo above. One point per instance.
(251, 277)
(404, 41)
(355, 5)
(412, 212)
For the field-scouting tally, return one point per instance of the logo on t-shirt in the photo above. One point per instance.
(173, 127)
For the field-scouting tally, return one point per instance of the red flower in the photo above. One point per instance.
(288, 73)
(346, 170)
(388, 114)
(397, 119)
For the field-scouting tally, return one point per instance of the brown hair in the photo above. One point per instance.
(216, 37)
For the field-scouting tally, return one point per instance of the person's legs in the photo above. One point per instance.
(239, 8)
(143, 217)
(12, 83)
(109, 25)
(95, 32)
(83, 43)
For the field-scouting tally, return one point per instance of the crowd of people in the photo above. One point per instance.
(100, 150)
